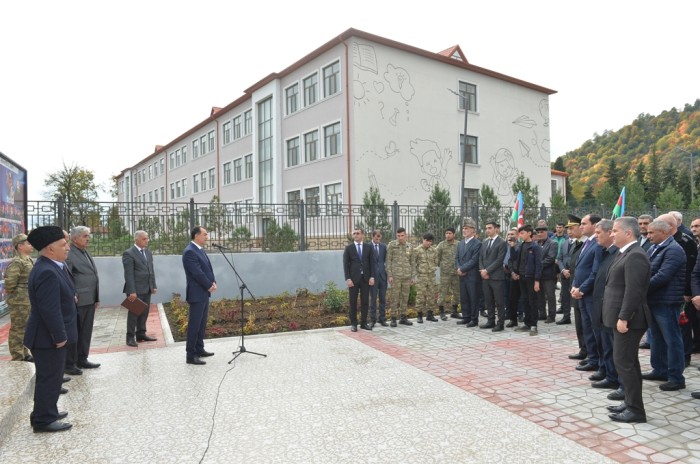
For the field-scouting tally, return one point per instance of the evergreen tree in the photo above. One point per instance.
(635, 203)
(490, 209)
(652, 180)
(558, 210)
(530, 198)
(438, 215)
(607, 196)
(669, 175)
(669, 199)
(375, 214)
(683, 187)
(613, 175)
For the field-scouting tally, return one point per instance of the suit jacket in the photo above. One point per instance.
(667, 283)
(198, 273)
(355, 269)
(587, 267)
(139, 276)
(379, 263)
(492, 258)
(467, 258)
(550, 248)
(53, 317)
(84, 272)
(646, 244)
(626, 288)
(606, 258)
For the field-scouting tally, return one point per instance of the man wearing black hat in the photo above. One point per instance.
(51, 325)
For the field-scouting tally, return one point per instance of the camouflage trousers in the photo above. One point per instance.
(425, 293)
(19, 314)
(449, 287)
(400, 290)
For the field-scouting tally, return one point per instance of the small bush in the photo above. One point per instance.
(334, 298)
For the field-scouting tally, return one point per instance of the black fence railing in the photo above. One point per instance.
(272, 227)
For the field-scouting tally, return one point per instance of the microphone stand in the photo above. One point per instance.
(242, 286)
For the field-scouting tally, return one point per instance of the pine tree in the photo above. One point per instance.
(438, 215)
(490, 209)
(613, 175)
(530, 197)
(652, 180)
(375, 214)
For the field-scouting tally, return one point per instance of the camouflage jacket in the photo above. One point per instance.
(424, 261)
(398, 260)
(16, 278)
(446, 252)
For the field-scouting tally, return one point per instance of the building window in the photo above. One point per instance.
(310, 89)
(237, 170)
(468, 92)
(203, 145)
(195, 183)
(162, 165)
(227, 173)
(178, 160)
(150, 197)
(249, 166)
(473, 153)
(292, 94)
(184, 154)
(203, 180)
(212, 178)
(178, 189)
(334, 199)
(172, 162)
(155, 195)
(331, 136)
(311, 198)
(162, 193)
(471, 199)
(293, 200)
(265, 140)
(195, 149)
(155, 169)
(227, 132)
(248, 121)
(184, 187)
(311, 146)
(293, 152)
(236, 128)
(150, 172)
(331, 79)
(212, 142)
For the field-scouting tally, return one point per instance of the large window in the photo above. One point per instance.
(195, 183)
(212, 178)
(178, 159)
(236, 127)
(162, 165)
(248, 166)
(293, 152)
(237, 170)
(331, 79)
(203, 180)
(467, 92)
(265, 139)
(472, 152)
(311, 89)
(311, 146)
(212, 142)
(184, 154)
(311, 198)
(292, 94)
(331, 137)
(334, 199)
(293, 200)
(248, 121)
(227, 173)
(203, 145)
(172, 164)
(195, 149)
(227, 132)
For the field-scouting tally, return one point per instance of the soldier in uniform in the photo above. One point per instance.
(398, 270)
(16, 278)
(424, 265)
(449, 280)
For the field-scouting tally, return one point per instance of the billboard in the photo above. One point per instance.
(13, 213)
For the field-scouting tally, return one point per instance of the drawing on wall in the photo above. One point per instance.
(533, 149)
(386, 188)
(433, 162)
(365, 57)
(544, 111)
(390, 151)
(399, 81)
(504, 171)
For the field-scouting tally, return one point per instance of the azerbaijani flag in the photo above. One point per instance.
(619, 209)
(518, 210)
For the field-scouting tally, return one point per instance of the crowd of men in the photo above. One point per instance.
(623, 279)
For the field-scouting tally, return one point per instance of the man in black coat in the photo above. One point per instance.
(359, 276)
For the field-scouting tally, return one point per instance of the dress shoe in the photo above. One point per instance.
(383, 324)
(579, 355)
(512, 324)
(549, 320)
(353, 328)
(617, 409)
(66, 379)
(88, 365)
(62, 415)
(605, 383)
(521, 318)
(583, 362)
(365, 327)
(498, 328)
(672, 386)
(696, 395)
(199, 362)
(72, 371)
(146, 338)
(542, 318)
(627, 416)
(644, 346)
(472, 324)
(456, 315)
(205, 354)
(52, 427)
(597, 376)
(522, 328)
(488, 325)
(651, 375)
(587, 368)
(64, 391)
(131, 342)
(483, 313)
(560, 311)
(463, 322)
(563, 321)
(533, 331)
(617, 395)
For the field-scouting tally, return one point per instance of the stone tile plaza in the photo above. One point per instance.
(430, 393)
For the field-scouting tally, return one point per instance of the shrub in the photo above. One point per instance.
(334, 298)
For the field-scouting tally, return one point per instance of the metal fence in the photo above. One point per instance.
(245, 227)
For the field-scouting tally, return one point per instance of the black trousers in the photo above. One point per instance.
(79, 351)
(626, 357)
(530, 312)
(49, 364)
(362, 289)
(493, 297)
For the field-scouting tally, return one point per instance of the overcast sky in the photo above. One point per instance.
(99, 84)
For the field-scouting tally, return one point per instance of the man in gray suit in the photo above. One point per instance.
(87, 288)
(139, 282)
(625, 310)
(467, 265)
(493, 252)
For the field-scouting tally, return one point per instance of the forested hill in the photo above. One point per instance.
(650, 157)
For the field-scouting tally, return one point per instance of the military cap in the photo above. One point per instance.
(43, 236)
(573, 220)
(19, 238)
(469, 222)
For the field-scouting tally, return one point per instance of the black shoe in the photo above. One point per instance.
(563, 321)
(64, 391)
(521, 318)
(443, 316)
(696, 395)
(627, 416)
(456, 315)
(672, 386)
(131, 342)
(587, 368)
(197, 361)
(66, 379)
(146, 338)
(472, 324)
(463, 322)
(483, 314)
(498, 328)
(72, 371)
(383, 324)
(88, 365)
(431, 317)
(522, 328)
(62, 415)
(404, 320)
(644, 346)
(52, 427)
(549, 320)
(488, 325)
(353, 328)
(651, 375)
(512, 324)
(583, 362)
(393, 322)
(579, 355)
(617, 409)
(617, 395)
(560, 311)
(542, 318)
(597, 376)
(205, 354)
(420, 317)
(365, 327)
(606, 384)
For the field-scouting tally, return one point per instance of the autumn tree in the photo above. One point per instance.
(76, 187)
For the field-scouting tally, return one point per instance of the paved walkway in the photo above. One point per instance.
(435, 392)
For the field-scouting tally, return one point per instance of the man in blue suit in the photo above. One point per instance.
(201, 283)
(52, 324)
(467, 264)
(380, 280)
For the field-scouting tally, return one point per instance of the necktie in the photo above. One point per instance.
(143, 253)
(585, 245)
(652, 250)
(359, 250)
(376, 248)
(488, 247)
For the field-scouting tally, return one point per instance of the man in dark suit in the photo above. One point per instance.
(201, 283)
(467, 264)
(378, 290)
(644, 220)
(493, 253)
(51, 326)
(625, 310)
(87, 287)
(359, 276)
(139, 282)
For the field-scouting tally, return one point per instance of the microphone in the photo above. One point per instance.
(220, 247)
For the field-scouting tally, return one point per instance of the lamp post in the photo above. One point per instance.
(465, 97)
(692, 166)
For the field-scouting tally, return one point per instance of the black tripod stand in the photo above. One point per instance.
(241, 285)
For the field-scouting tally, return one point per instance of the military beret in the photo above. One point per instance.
(19, 238)
(44, 236)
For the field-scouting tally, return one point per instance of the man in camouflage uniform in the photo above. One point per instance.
(449, 280)
(424, 265)
(16, 278)
(398, 270)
